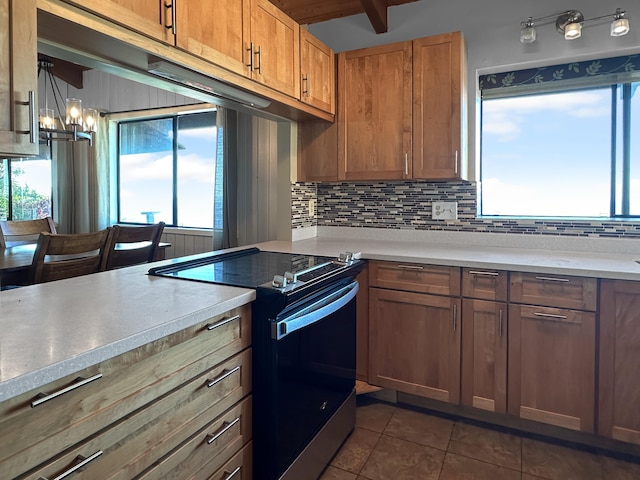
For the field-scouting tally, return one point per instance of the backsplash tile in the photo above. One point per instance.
(407, 205)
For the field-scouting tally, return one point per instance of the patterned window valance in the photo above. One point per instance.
(617, 69)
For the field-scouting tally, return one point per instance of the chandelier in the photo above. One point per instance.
(79, 123)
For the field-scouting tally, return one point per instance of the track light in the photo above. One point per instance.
(570, 24)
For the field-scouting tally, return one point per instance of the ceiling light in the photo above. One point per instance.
(570, 22)
(620, 25)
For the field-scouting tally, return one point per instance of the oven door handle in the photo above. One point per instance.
(315, 311)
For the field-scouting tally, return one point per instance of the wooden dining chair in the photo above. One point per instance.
(21, 232)
(129, 245)
(61, 256)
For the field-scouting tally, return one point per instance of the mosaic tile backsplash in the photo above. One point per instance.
(407, 205)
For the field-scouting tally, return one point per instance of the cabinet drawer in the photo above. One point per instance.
(197, 458)
(484, 284)
(129, 381)
(238, 468)
(132, 445)
(553, 290)
(415, 277)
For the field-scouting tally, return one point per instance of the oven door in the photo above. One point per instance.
(312, 347)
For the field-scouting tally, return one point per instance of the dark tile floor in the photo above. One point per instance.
(393, 443)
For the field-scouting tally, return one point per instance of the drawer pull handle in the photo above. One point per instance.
(500, 323)
(82, 462)
(483, 274)
(551, 279)
(230, 475)
(411, 267)
(224, 321)
(78, 382)
(225, 374)
(455, 316)
(550, 315)
(226, 426)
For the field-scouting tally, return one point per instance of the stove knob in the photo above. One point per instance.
(291, 277)
(279, 281)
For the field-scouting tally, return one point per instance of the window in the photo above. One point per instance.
(167, 170)
(559, 150)
(25, 189)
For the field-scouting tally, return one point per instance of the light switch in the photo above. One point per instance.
(444, 210)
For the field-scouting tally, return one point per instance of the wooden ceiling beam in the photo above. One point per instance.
(376, 10)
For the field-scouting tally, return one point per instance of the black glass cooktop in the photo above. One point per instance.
(248, 268)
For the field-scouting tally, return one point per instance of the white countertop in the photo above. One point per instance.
(613, 259)
(55, 329)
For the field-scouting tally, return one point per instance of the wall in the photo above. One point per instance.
(492, 31)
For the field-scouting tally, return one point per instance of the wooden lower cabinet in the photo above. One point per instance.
(415, 343)
(138, 408)
(552, 366)
(619, 379)
(484, 354)
(362, 326)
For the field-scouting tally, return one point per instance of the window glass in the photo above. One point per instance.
(25, 189)
(547, 155)
(167, 170)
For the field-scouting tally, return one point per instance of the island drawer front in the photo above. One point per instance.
(485, 284)
(196, 458)
(415, 277)
(561, 291)
(129, 381)
(117, 450)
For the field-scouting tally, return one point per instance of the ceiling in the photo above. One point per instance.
(314, 11)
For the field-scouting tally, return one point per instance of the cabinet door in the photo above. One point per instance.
(619, 360)
(317, 151)
(484, 355)
(276, 43)
(374, 113)
(317, 73)
(362, 326)
(414, 343)
(552, 366)
(438, 99)
(18, 77)
(216, 30)
(150, 17)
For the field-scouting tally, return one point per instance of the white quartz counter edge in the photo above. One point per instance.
(597, 264)
(53, 330)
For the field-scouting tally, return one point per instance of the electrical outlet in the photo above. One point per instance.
(444, 210)
(312, 208)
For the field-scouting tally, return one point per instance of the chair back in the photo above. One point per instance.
(61, 256)
(128, 245)
(20, 232)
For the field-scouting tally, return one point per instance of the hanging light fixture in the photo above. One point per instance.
(570, 22)
(78, 124)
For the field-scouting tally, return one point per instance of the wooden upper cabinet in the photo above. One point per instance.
(374, 113)
(619, 389)
(275, 39)
(317, 73)
(150, 17)
(317, 151)
(216, 30)
(439, 92)
(18, 77)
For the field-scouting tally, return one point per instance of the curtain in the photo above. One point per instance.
(81, 179)
(225, 225)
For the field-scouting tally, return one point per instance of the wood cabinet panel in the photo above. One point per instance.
(484, 354)
(552, 366)
(18, 77)
(217, 30)
(374, 113)
(317, 151)
(554, 290)
(362, 326)
(436, 279)
(484, 284)
(240, 467)
(619, 389)
(276, 41)
(439, 75)
(150, 17)
(129, 382)
(317, 73)
(415, 343)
